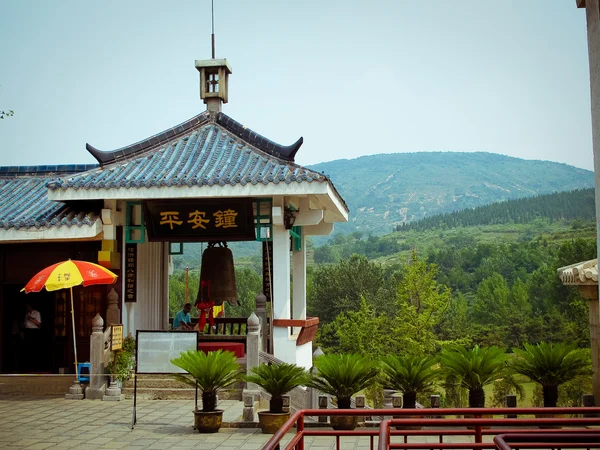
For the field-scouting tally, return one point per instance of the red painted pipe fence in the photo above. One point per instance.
(450, 425)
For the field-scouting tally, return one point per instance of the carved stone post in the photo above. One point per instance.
(323, 404)
(261, 313)
(511, 402)
(253, 346)
(435, 402)
(113, 313)
(313, 397)
(360, 402)
(97, 386)
(251, 393)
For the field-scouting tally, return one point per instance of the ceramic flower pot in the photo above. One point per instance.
(208, 421)
(343, 422)
(271, 422)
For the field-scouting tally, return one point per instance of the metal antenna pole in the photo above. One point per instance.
(212, 36)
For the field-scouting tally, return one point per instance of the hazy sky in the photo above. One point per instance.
(353, 77)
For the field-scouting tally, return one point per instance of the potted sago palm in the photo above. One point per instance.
(276, 380)
(474, 369)
(342, 376)
(550, 365)
(410, 375)
(211, 372)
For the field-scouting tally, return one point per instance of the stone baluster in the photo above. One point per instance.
(261, 313)
(251, 393)
(113, 313)
(97, 386)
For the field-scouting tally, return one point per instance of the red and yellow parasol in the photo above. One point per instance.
(67, 274)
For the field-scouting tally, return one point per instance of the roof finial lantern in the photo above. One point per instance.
(214, 77)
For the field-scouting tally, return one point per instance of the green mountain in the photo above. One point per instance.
(387, 190)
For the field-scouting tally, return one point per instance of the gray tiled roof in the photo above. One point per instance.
(205, 150)
(24, 202)
(585, 272)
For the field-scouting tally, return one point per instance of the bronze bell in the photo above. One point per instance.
(217, 275)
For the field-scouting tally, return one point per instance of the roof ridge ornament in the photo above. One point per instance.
(214, 82)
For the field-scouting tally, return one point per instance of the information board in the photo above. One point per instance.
(155, 349)
(116, 337)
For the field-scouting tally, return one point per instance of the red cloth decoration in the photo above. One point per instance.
(205, 306)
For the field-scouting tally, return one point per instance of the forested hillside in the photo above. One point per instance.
(387, 190)
(577, 204)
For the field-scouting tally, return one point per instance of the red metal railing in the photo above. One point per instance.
(557, 440)
(473, 428)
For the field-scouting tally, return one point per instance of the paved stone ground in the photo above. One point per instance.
(50, 422)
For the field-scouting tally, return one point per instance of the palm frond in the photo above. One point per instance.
(278, 380)
(409, 374)
(551, 364)
(343, 375)
(212, 370)
(474, 368)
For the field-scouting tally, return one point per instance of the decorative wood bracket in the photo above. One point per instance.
(308, 328)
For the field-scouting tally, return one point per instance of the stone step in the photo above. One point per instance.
(177, 394)
(36, 384)
(165, 387)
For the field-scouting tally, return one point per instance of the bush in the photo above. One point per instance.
(123, 360)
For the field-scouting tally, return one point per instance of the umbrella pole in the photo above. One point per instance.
(74, 337)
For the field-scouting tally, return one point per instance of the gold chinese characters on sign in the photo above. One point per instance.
(192, 220)
(225, 219)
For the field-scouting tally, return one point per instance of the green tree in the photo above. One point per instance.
(421, 303)
(337, 288)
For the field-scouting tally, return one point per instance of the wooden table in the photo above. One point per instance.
(236, 347)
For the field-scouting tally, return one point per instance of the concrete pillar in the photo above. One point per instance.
(593, 35)
(97, 385)
(261, 313)
(113, 313)
(595, 345)
(590, 292)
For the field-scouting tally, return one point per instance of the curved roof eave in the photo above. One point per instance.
(53, 233)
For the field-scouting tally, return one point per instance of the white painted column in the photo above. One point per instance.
(284, 347)
(303, 352)
(299, 277)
